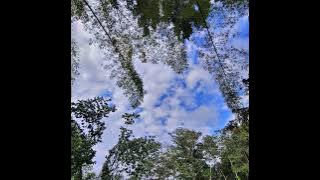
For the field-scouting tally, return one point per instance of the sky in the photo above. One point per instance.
(191, 100)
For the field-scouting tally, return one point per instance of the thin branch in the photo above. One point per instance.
(214, 47)
(108, 35)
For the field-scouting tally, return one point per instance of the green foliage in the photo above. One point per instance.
(88, 174)
(191, 156)
(131, 82)
(133, 156)
(81, 150)
(209, 147)
(181, 13)
(226, 62)
(148, 12)
(78, 11)
(186, 154)
(129, 117)
(237, 150)
(90, 112)
(233, 2)
(101, 24)
(86, 131)
(74, 60)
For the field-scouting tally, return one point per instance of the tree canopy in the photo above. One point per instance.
(155, 31)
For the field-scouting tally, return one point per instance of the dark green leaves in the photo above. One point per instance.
(189, 157)
(91, 112)
(134, 156)
(86, 131)
(182, 13)
(78, 11)
(149, 14)
(129, 118)
(81, 150)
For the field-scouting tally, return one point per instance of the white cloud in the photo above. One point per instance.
(157, 78)
(241, 43)
(198, 74)
(92, 80)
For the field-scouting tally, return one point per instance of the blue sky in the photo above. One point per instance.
(191, 100)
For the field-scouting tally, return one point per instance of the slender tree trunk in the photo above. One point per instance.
(225, 178)
(234, 171)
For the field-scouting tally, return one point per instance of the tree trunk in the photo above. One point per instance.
(234, 172)
(225, 178)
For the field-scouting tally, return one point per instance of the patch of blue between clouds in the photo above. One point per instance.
(106, 94)
(203, 98)
(200, 98)
(138, 110)
(163, 120)
(244, 27)
(193, 53)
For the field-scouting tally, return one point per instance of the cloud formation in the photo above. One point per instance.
(191, 99)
